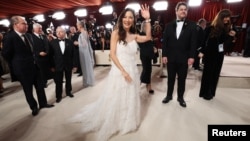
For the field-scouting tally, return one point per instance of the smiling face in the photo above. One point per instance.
(128, 20)
(60, 33)
(226, 20)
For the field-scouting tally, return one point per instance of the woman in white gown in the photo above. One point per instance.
(118, 109)
(85, 56)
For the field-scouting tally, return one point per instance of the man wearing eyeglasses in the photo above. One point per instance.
(18, 51)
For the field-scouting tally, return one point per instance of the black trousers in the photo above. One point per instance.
(196, 64)
(79, 69)
(146, 69)
(27, 82)
(247, 48)
(179, 69)
(58, 77)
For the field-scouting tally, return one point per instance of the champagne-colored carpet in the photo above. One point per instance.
(161, 122)
(236, 66)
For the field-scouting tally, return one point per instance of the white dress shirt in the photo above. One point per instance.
(62, 46)
(178, 28)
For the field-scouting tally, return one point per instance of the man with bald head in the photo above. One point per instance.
(63, 62)
(19, 52)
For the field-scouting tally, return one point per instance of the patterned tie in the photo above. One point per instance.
(41, 37)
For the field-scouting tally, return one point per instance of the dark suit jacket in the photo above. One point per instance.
(43, 62)
(179, 50)
(40, 45)
(75, 37)
(18, 55)
(61, 61)
(200, 38)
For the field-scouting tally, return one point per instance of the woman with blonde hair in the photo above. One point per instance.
(86, 56)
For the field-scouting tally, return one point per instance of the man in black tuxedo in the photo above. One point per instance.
(179, 44)
(41, 50)
(63, 61)
(18, 51)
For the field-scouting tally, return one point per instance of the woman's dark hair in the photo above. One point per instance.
(218, 24)
(119, 26)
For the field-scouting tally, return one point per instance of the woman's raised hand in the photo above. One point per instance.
(145, 11)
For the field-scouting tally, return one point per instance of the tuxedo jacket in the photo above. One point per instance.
(179, 50)
(59, 60)
(18, 55)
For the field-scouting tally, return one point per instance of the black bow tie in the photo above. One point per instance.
(179, 20)
(61, 40)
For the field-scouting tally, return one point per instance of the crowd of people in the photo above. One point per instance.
(183, 43)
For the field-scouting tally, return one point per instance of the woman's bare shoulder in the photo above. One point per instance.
(114, 34)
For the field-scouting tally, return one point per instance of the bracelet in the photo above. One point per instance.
(147, 20)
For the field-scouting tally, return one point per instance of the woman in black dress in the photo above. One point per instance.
(213, 50)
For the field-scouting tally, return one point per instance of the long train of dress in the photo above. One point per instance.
(118, 108)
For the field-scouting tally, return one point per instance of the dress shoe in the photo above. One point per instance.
(182, 102)
(166, 99)
(70, 95)
(207, 98)
(151, 91)
(47, 106)
(35, 111)
(163, 76)
(58, 100)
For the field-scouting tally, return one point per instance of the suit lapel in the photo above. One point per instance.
(30, 46)
(183, 28)
(66, 46)
(174, 27)
(58, 47)
(19, 38)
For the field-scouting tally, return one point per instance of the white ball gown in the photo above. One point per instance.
(118, 108)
